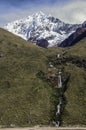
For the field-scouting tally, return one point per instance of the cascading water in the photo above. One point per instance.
(61, 80)
(59, 105)
(61, 99)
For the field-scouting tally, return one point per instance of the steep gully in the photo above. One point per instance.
(60, 79)
(61, 88)
(62, 82)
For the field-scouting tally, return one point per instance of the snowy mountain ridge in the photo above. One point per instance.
(40, 26)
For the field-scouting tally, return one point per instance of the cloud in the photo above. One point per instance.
(74, 12)
(70, 11)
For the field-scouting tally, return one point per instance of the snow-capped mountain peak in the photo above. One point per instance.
(39, 14)
(41, 26)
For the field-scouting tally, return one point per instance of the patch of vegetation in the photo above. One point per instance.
(27, 97)
(75, 113)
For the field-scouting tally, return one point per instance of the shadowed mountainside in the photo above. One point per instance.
(74, 38)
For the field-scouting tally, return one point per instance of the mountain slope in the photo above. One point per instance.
(27, 96)
(79, 34)
(73, 62)
(24, 98)
(75, 94)
(40, 26)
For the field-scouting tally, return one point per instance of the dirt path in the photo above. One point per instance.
(46, 128)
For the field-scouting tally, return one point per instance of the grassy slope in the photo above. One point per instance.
(26, 99)
(79, 49)
(75, 113)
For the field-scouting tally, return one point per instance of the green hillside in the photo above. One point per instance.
(27, 97)
(75, 113)
(79, 49)
(24, 98)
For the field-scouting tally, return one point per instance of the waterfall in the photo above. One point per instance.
(59, 80)
(58, 109)
(59, 105)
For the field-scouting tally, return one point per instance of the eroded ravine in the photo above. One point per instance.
(58, 77)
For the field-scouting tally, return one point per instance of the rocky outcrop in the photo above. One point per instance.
(42, 43)
(74, 38)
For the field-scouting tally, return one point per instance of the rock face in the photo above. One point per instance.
(40, 26)
(42, 43)
(74, 38)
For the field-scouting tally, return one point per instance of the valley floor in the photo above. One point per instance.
(46, 128)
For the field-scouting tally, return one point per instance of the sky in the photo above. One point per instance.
(69, 11)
